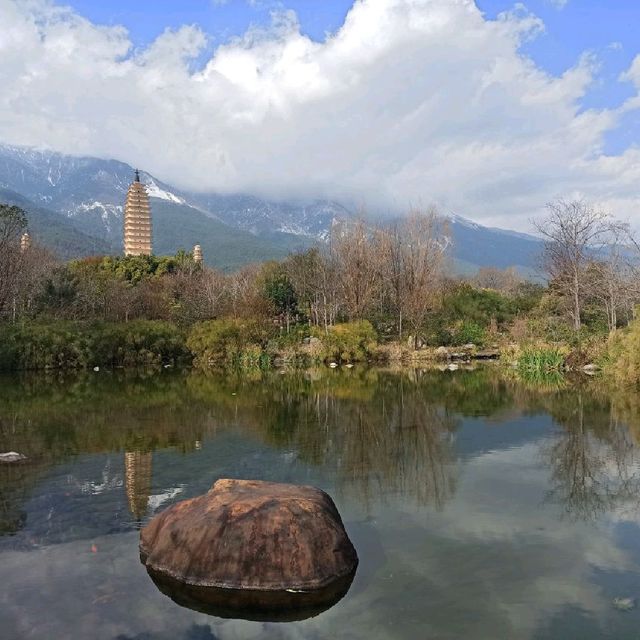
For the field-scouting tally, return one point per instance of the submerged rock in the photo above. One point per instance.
(258, 550)
(12, 456)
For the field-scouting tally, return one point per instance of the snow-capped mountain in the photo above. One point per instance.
(233, 229)
(93, 190)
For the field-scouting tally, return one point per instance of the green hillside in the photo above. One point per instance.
(54, 231)
(178, 226)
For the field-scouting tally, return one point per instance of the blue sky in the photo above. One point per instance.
(607, 28)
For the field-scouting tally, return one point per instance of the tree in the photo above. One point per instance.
(279, 290)
(355, 259)
(413, 257)
(13, 223)
(575, 232)
(503, 280)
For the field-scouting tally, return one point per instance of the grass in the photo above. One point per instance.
(541, 360)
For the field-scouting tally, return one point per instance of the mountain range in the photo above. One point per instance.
(75, 207)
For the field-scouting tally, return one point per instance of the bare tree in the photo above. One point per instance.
(612, 278)
(504, 280)
(574, 232)
(355, 259)
(413, 257)
(12, 223)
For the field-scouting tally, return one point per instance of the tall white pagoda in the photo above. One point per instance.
(137, 220)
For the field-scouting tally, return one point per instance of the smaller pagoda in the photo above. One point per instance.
(197, 254)
(25, 242)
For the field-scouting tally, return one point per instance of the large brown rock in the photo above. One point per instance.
(251, 549)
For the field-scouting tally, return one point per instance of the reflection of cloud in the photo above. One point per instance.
(108, 482)
(497, 556)
(158, 499)
(496, 562)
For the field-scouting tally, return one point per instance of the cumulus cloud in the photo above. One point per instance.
(410, 101)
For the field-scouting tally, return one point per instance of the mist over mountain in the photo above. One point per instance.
(75, 206)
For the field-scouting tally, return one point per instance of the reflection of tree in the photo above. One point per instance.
(593, 460)
(13, 489)
(401, 445)
(378, 432)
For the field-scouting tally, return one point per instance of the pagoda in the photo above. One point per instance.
(137, 220)
(25, 242)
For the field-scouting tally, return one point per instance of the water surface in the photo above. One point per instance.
(481, 507)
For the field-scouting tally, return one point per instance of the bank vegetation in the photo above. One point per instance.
(369, 293)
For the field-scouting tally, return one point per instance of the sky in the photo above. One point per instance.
(488, 109)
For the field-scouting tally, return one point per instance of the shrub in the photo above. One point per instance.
(623, 357)
(347, 342)
(137, 343)
(68, 345)
(228, 341)
(469, 332)
(37, 346)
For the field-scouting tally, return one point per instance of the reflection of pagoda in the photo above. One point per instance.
(137, 220)
(137, 476)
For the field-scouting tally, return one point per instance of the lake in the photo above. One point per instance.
(480, 506)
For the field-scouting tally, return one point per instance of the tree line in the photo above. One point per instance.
(396, 277)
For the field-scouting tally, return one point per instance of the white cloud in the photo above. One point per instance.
(410, 101)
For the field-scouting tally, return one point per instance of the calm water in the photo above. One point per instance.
(480, 507)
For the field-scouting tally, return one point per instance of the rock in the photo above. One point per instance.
(624, 604)
(469, 347)
(96, 368)
(313, 342)
(258, 550)
(12, 456)
(486, 355)
(333, 365)
(349, 365)
(442, 353)
(453, 367)
(590, 368)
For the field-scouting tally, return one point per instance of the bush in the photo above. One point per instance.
(68, 345)
(37, 346)
(347, 342)
(229, 341)
(137, 343)
(623, 357)
(469, 332)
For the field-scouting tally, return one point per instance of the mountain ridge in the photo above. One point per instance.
(233, 229)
